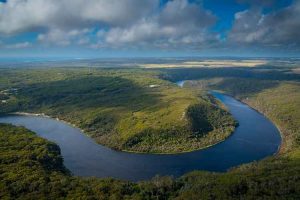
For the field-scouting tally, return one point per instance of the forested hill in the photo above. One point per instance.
(129, 109)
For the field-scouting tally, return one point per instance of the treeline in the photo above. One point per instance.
(264, 73)
(207, 124)
(237, 87)
(207, 117)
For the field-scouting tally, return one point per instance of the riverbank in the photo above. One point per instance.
(53, 182)
(135, 152)
(204, 139)
(280, 104)
(119, 109)
(84, 157)
(47, 116)
(259, 110)
(281, 148)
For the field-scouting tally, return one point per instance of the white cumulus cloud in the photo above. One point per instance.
(178, 22)
(274, 29)
(22, 15)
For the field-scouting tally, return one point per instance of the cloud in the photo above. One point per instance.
(274, 29)
(18, 45)
(23, 15)
(119, 23)
(63, 38)
(179, 22)
(176, 24)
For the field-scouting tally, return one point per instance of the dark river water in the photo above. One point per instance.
(255, 138)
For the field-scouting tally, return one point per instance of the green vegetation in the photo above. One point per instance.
(281, 104)
(131, 110)
(278, 100)
(274, 92)
(205, 118)
(31, 168)
(207, 125)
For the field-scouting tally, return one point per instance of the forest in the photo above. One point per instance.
(129, 109)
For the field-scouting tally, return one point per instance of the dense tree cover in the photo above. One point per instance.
(269, 179)
(273, 178)
(237, 87)
(276, 93)
(31, 168)
(278, 100)
(205, 123)
(127, 109)
(281, 105)
(207, 117)
(263, 73)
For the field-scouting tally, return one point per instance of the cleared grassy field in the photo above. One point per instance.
(207, 63)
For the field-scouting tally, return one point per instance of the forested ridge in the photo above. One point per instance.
(124, 109)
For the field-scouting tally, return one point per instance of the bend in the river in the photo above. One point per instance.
(255, 138)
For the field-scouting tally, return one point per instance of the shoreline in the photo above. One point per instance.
(125, 151)
(282, 136)
(182, 152)
(47, 116)
(281, 146)
(277, 153)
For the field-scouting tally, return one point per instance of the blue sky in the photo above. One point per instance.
(134, 28)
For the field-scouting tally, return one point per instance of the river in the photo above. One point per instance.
(255, 138)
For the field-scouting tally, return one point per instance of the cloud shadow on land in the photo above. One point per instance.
(88, 92)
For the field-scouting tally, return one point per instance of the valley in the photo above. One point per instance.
(272, 91)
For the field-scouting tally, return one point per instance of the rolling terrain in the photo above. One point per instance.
(274, 93)
(130, 110)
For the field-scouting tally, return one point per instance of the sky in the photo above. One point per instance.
(149, 28)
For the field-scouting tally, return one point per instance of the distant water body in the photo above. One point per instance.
(255, 138)
(28, 60)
